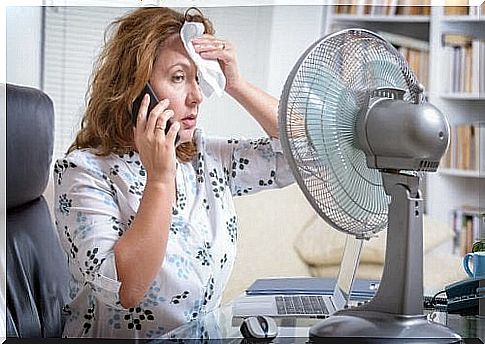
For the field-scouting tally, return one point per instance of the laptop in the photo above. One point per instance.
(301, 297)
(308, 296)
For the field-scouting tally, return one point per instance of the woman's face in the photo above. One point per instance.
(174, 77)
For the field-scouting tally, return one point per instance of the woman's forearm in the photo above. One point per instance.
(139, 253)
(262, 106)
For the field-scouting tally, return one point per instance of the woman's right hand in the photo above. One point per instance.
(156, 150)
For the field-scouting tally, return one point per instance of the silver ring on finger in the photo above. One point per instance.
(159, 127)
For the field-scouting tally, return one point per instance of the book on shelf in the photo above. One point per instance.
(464, 61)
(406, 7)
(414, 7)
(462, 8)
(464, 151)
(456, 39)
(456, 7)
(355, 7)
(383, 7)
(468, 227)
(404, 41)
(376, 8)
(415, 51)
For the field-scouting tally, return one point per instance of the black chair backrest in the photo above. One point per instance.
(37, 272)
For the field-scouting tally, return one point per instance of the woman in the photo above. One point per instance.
(149, 229)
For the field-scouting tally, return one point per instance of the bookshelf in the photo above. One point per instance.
(459, 193)
(459, 172)
(463, 96)
(383, 18)
(451, 190)
(463, 19)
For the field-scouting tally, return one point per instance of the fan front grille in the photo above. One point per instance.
(324, 95)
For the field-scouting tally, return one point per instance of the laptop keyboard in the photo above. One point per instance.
(301, 304)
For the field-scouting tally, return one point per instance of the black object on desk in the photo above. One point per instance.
(465, 296)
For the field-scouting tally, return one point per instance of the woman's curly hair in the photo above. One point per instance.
(120, 73)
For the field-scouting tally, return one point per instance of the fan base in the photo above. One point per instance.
(357, 326)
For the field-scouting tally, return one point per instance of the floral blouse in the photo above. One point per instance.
(97, 199)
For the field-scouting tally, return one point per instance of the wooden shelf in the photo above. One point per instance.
(382, 18)
(460, 173)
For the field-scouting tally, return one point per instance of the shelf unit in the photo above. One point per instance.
(382, 18)
(463, 96)
(462, 19)
(414, 26)
(458, 172)
(447, 189)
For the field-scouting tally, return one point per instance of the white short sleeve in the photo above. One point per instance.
(88, 221)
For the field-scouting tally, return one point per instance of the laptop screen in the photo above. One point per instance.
(348, 268)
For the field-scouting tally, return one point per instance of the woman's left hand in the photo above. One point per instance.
(210, 47)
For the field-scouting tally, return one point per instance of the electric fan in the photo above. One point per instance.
(357, 132)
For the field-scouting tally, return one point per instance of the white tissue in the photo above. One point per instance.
(211, 77)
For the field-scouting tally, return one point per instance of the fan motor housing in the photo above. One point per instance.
(400, 135)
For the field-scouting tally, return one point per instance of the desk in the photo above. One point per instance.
(220, 324)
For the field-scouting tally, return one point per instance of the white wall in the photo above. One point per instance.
(24, 45)
(293, 30)
(248, 29)
(269, 40)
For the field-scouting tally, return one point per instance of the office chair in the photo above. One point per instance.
(37, 272)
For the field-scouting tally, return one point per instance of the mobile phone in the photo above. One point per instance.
(153, 102)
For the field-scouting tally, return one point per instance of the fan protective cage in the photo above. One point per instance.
(324, 95)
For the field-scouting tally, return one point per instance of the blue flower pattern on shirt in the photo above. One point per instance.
(116, 319)
(83, 226)
(181, 264)
(153, 297)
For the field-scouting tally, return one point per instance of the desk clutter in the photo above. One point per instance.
(302, 293)
(467, 297)
(224, 323)
(464, 297)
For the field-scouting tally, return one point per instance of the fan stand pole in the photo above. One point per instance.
(395, 314)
